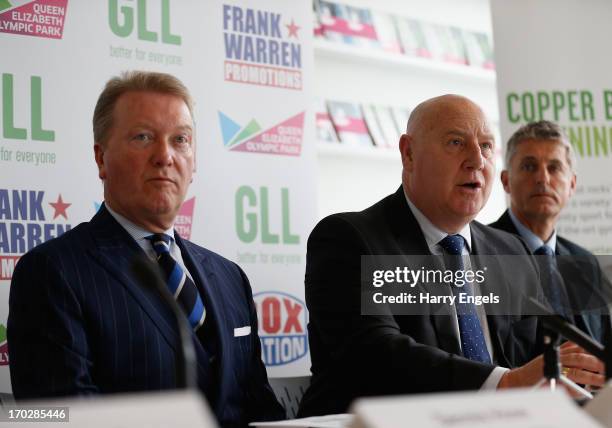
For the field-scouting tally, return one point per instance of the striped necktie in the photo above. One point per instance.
(473, 342)
(180, 285)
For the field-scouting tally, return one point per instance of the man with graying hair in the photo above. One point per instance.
(82, 323)
(540, 178)
(448, 162)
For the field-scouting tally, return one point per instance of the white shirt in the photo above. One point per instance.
(139, 235)
(433, 235)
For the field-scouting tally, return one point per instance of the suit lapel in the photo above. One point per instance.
(206, 281)
(411, 240)
(115, 250)
(590, 323)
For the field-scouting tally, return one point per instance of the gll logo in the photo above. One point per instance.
(282, 327)
(284, 138)
(4, 357)
(183, 221)
(39, 18)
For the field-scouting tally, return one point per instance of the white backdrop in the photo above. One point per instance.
(553, 62)
(253, 195)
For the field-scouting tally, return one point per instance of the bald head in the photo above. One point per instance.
(432, 111)
(447, 154)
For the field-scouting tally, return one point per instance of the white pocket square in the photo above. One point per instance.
(242, 331)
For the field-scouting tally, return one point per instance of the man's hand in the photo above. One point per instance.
(582, 368)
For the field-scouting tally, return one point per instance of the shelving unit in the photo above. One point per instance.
(327, 50)
(353, 178)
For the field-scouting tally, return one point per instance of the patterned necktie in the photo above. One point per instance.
(552, 288)
(473, 342)
(180, 285)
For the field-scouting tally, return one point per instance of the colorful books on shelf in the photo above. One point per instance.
(324, 126)
(400, 117)
(449, 42)
(412, 37)
(385, 32)
(360, 124)
(349, 123)
(479, 50)
(362, 27)
(348, 24)
(388, 125)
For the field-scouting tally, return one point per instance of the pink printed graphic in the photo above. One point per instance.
(349, 28)
(184, 219)
(352, 124)
(282, 139)
(4, 356)
(7, 266)
(39, 18)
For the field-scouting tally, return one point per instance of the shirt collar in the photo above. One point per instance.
(138, 233)
(433, 235)
(533, 241)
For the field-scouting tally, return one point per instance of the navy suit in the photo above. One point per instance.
(355, 355)
(79, 323)
(584, 283)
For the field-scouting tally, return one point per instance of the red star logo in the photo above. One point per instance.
(60, 208)
(293, 29)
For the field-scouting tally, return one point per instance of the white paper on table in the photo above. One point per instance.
(342, 420)
(599, 407)
(525, 408)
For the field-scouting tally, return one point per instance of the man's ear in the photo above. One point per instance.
(505, 180)
(99, 156)
(405, 146)
(572, 189)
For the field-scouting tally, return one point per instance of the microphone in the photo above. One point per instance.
(559, 325)
(150, 276)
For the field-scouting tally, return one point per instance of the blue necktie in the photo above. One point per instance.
(180, 285)
(550, 282)
(473, 342)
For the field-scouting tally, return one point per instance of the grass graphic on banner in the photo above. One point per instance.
(5, 4)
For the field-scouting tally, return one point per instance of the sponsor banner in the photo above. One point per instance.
(264, 75)
(282, 320)
(39, 18)
(284, 138)
(262, 46)
(564, 77)
(29, 218)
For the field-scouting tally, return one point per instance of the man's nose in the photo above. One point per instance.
(162, 153)
(474, 157)
(542, 175)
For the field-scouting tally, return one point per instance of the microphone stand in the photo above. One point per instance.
(556, 326)
(150, 276)
(552, 367)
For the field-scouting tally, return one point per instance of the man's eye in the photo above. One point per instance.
(528, 167)
(142, 137)
(487, 146)
(182, 139)
(455, 142)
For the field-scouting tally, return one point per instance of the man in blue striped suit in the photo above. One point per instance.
(79, 321)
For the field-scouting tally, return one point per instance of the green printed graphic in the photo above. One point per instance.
(2, 333)
(253, 217)
(251, 129)
(9, 129)
(121, 22)
(4, 4)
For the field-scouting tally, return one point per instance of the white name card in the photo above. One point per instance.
(523, 408)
